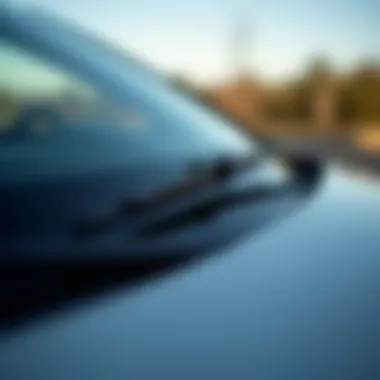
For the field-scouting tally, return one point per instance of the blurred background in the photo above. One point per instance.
(304, 73)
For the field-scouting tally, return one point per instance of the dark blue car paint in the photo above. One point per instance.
(50, 185)
(298, 300)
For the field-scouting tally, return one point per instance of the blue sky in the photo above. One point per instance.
(193, 37)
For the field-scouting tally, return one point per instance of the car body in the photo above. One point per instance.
(284, 286)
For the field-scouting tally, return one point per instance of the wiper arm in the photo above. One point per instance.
(203, 211)
(306, 173)
(203, 176)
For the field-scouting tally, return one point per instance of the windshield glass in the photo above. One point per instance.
(107, 101)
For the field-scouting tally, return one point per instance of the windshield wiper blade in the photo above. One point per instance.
(203, 211)
(306, 173)
(203, 176)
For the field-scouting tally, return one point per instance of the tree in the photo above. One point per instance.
(360, 96)
(321, 93)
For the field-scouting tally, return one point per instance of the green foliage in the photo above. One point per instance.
(290, 102)
(360, 97)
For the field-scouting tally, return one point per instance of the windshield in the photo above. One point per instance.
(122, 103)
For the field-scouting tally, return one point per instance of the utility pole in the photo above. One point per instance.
(241, 45)
(246, 93)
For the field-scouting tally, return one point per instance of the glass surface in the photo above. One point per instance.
(54, 119)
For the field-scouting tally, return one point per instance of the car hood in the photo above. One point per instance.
(298, 301)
